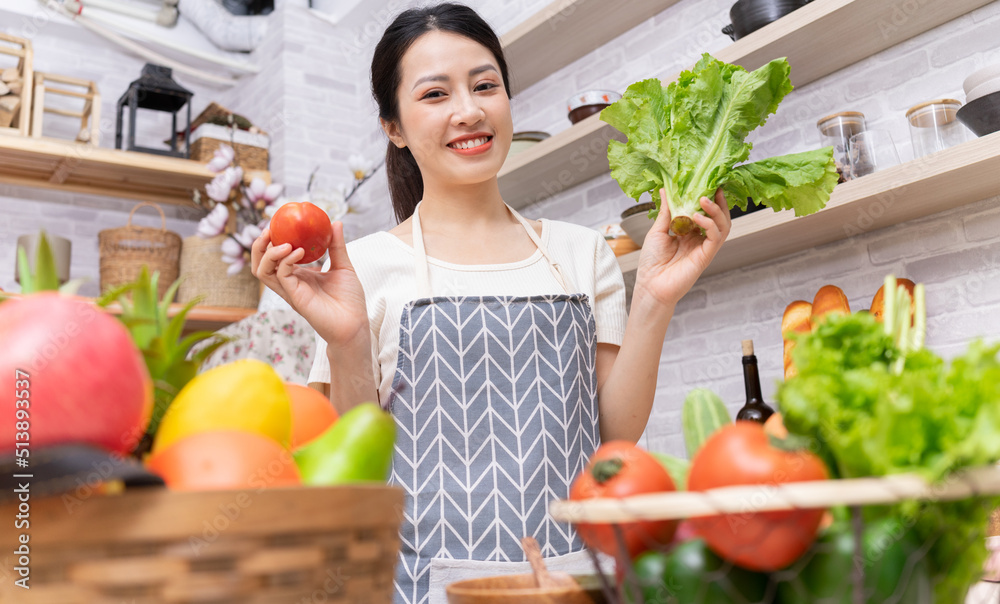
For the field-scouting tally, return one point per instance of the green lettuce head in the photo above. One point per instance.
(689, 139)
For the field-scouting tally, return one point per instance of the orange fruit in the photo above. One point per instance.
(224, 459)
(312, 413)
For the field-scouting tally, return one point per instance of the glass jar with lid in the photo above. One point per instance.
(934, 126)
(836, 131)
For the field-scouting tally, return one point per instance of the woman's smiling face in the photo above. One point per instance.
(454, 114)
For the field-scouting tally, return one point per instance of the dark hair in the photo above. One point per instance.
(406, 186)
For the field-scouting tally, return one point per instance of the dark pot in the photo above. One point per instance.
(982, 115)
(751, 208)
(748, 16)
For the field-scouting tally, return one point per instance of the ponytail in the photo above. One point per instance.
(406, 185)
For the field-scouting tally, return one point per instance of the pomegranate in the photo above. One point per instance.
(83, 377)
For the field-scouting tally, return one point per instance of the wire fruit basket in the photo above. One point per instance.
(722, 582)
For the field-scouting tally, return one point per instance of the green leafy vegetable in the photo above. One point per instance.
(879, 403)
(166, 350)
(689, 137)
(45, 276)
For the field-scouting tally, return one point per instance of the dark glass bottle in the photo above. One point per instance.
(755, 409)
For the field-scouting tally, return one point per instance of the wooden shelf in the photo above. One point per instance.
(825, 36)
(55, 164)
(199, 318)
(566, 159)
(948, 179)
(818, 39)
(566, 30)
(204, 318)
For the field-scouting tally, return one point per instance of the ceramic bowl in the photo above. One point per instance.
(987, 87)
(636, 223)
(522, 141)
(982, 115)
(981, 76)
(587, 103)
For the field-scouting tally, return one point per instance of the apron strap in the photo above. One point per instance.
(423, 271)
(553, 265)
(420, 266)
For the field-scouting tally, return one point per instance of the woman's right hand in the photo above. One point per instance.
(333, 302)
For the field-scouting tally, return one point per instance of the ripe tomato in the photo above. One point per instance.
(741, 454)
(620, 469)
(304, 225)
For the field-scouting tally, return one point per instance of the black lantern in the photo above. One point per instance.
(155, 90)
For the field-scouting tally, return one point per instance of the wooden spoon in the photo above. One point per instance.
(543, 578)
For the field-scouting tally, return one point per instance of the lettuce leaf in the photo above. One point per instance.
(689, 137)
(801, 182)
(930, 418)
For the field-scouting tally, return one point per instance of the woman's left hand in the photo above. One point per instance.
(669, 265)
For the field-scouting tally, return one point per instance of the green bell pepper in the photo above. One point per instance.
(692, 574)
(357, 448)
(895, 567)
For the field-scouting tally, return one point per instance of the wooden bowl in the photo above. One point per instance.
(622, 245)
(520, 589)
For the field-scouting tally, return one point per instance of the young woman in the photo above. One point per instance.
(499, 344)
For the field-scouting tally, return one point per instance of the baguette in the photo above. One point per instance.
(878, 302)
(829, 298)
(797, 319)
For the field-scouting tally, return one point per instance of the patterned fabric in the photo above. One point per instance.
(281, 338)
(495, 400)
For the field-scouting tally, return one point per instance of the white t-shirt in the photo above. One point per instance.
(385, 267)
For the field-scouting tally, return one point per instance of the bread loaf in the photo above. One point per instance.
(797, 319)
(829, 298)
(878, 302)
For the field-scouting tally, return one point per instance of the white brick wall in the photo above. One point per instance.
(314, 88)
(64, 48)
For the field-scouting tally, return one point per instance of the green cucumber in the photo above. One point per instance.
(703, 414)
(676, 467)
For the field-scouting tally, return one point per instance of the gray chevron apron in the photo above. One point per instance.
(495, 400)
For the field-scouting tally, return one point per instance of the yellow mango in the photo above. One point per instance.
(243, 395)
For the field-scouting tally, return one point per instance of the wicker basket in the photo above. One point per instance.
(250, 154)
(124, 251)
(271, 546)
(204, 274)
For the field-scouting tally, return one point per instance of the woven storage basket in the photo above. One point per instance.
(270, 546)
(204, 274)
(124, 251)
(249, 156)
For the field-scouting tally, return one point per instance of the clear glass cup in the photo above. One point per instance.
(836, 131)
(934, 126)
(872, 151)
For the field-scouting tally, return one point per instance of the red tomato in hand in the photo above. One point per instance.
(304, 225)
(620, 469)
(741, 454)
